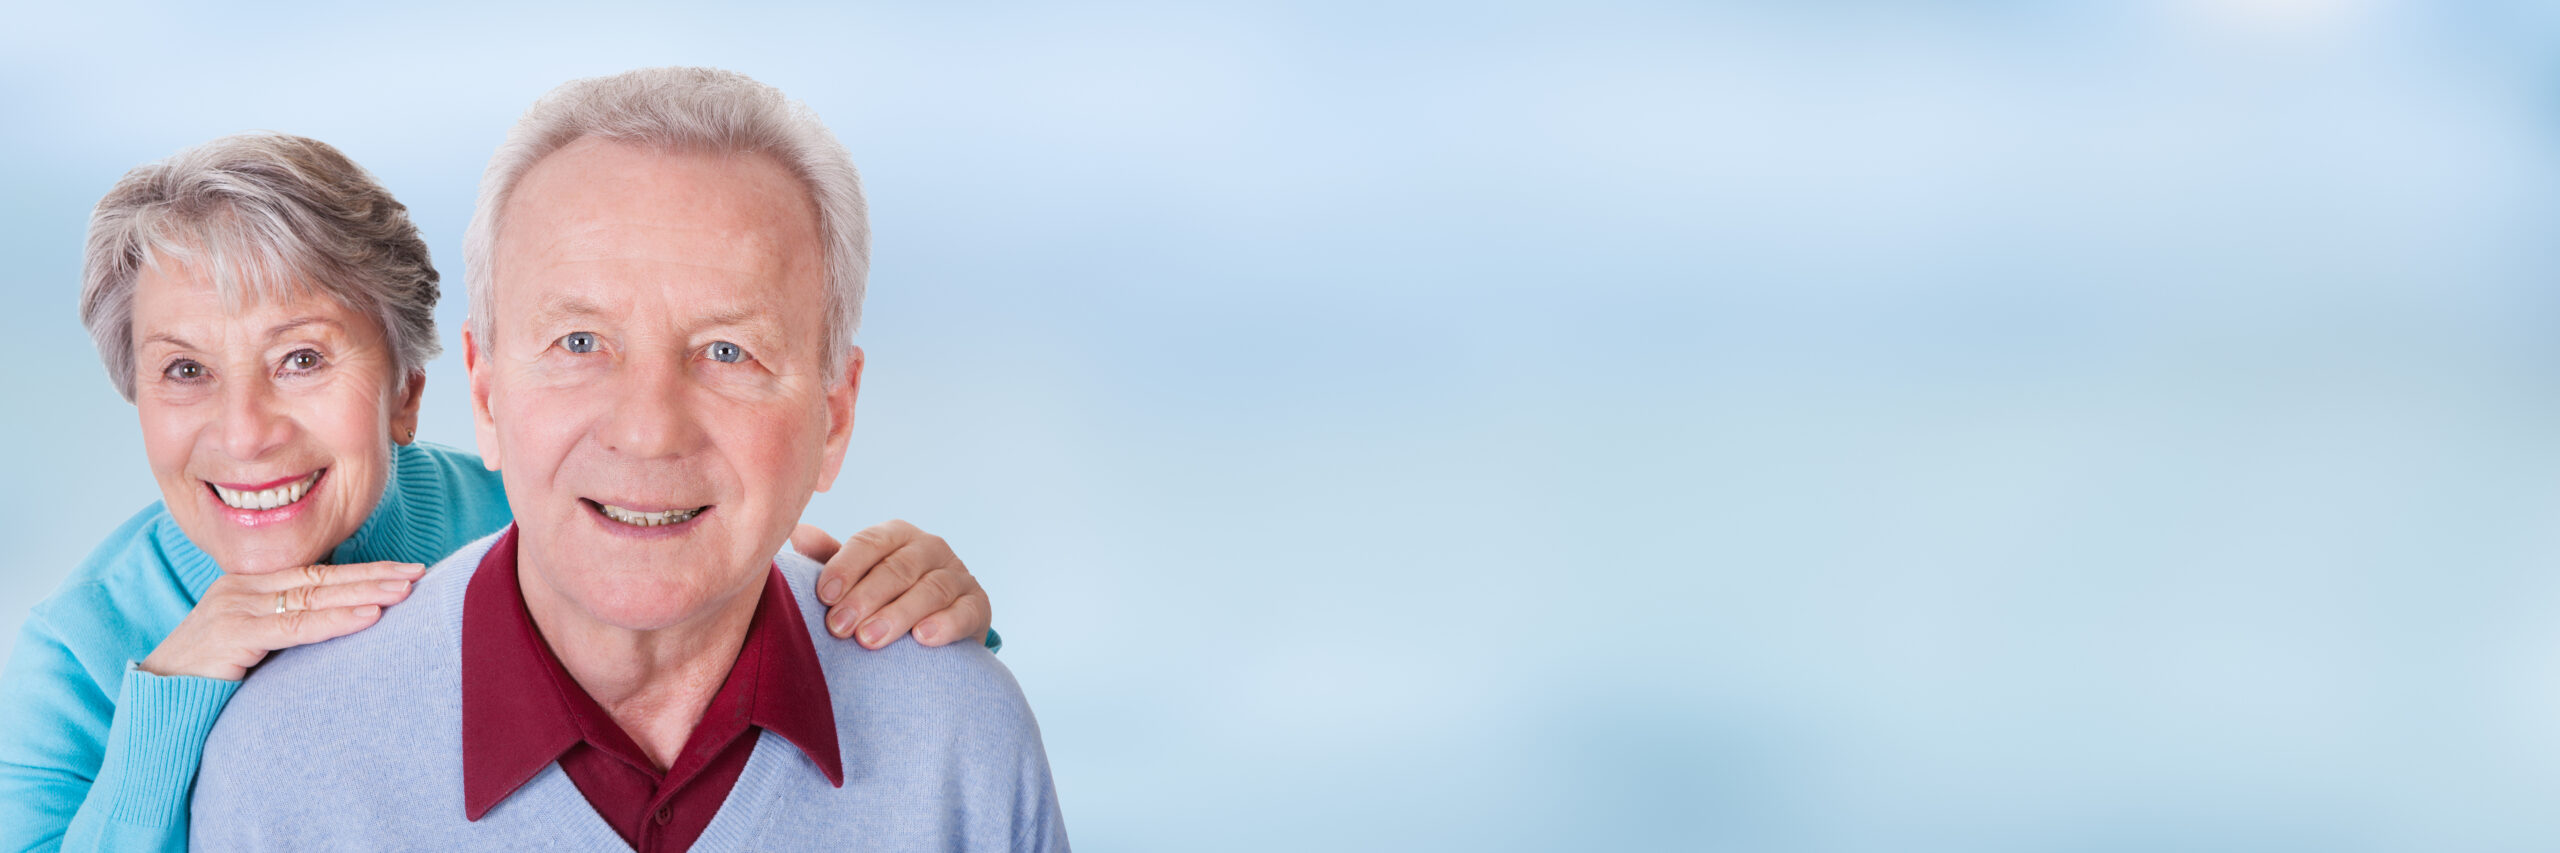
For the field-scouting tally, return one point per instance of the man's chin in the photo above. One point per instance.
(640, 602)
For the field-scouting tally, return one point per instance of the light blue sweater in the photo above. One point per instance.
(95, 755)
(356, 744)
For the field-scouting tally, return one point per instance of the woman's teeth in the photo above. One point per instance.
(263, 499)
(648, 519)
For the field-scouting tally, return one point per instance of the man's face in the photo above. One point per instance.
(653, 391)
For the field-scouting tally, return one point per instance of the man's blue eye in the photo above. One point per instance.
(579, 342)
(726, 352)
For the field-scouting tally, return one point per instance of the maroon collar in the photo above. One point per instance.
(521, 710)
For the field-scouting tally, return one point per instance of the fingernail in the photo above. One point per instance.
(395, 586)
(369, 611)
(871, 635)
(841, 625)
(413, 569)
(827, 592)
(926, 632)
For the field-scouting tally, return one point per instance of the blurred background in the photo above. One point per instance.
(1774, 426)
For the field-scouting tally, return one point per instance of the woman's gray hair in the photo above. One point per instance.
(692, 110)
(266, 216)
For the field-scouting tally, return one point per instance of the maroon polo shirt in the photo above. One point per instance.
(521, 711)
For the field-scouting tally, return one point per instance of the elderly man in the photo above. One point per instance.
(666, 269)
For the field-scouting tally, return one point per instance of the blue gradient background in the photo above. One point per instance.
(1774, 426)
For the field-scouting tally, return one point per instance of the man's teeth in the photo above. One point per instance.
(648, 519)
(266, 498)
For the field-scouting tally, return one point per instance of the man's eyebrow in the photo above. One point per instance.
(562, 307)
(732, 316)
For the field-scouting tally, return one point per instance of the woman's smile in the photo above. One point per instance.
(262, 504)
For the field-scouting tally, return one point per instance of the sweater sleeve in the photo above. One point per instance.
(82, 771)
(53, 720)
(140, 799)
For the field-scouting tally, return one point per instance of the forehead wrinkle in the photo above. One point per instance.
(750, 318)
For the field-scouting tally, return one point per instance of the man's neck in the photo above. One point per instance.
(654, 683)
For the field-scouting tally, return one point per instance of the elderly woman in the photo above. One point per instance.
(269, 309)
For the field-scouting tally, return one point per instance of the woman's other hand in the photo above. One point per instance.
(242, 617)
(892, 578)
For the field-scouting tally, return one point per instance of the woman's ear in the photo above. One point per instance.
(404, 415)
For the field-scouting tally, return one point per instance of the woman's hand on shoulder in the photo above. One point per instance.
(892, 579)
(243, 617)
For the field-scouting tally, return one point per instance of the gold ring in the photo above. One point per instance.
(279, 602)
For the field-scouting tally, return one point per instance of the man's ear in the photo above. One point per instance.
(840, 420)
(404, 418)
(481, 424)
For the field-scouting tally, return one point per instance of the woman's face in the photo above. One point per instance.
(269, 427)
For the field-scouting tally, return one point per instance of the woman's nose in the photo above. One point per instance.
(253, 420)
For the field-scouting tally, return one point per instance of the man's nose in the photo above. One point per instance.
(652, 413)
(254, 420)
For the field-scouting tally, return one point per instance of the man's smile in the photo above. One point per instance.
(644, 518)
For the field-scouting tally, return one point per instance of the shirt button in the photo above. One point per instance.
(666, 813)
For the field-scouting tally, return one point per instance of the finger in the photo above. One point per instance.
(860, 552)
(349, 573)
(304, 627)
(931, 593)
(813, 543)
(968, 618)
(886, 581)
(353, 594)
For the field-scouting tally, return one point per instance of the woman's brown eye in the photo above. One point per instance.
(302, 360)
(185, 370)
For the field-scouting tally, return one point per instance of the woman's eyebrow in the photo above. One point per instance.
(280, 329)
(166, 338)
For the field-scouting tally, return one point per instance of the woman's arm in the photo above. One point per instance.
(53, 726)
(99, 739)
(83, 770)
(139, 801)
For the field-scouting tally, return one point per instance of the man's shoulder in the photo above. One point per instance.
(960, 686)
(940, 748)
(318, 733)
(410, 655)
(430, 620)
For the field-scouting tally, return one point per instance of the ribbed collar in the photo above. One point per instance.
(411, 511)
(196, 569)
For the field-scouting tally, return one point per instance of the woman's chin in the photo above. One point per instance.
(271, 545)
(258, 558)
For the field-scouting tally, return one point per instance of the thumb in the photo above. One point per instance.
(813, 543)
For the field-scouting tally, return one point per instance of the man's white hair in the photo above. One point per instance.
(705, 110)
